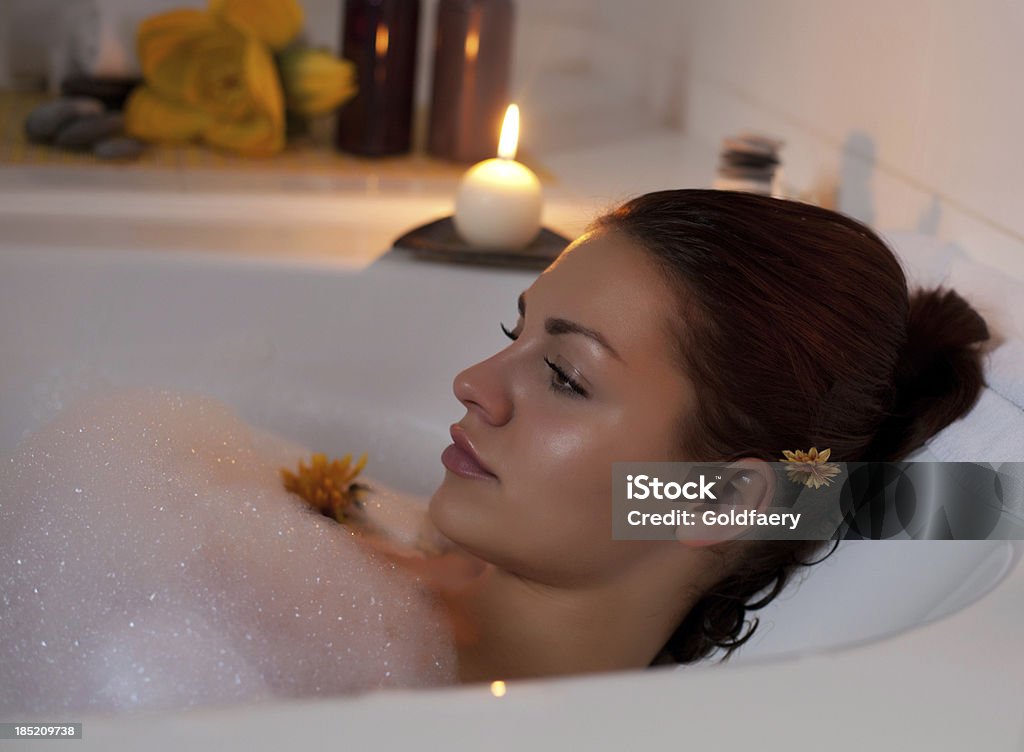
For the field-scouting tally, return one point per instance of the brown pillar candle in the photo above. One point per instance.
(380, 38)
(472, 67)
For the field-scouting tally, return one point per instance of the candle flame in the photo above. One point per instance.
(498, 688)
(509, 140)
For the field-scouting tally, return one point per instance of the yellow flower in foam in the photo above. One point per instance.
(810, 468)
(327, 486)
(206, 79)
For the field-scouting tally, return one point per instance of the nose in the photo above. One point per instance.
(481, 388)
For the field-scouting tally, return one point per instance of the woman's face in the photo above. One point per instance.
(587, 381)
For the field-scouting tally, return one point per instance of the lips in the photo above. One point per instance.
(462, 458)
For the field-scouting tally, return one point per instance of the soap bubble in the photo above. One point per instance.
(151, 558)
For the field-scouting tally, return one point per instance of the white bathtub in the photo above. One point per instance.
(297, 326)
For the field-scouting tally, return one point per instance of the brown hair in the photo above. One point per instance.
(796, 329)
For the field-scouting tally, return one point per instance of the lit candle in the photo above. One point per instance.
(498, 203)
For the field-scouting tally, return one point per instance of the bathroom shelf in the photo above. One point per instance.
(306, 159)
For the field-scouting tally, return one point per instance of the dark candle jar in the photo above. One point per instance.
(472, 68)
(379, 37)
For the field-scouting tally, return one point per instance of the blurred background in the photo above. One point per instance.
(904, 115)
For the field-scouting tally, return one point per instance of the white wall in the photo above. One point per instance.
(905, 114)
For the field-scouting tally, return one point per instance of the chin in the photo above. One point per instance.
(443, 510)
(458, 515)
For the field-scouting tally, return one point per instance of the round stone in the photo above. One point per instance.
(119, 147)
(44, 122)
(82, 133)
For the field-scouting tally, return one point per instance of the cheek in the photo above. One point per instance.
(554, 439)
(592, 440)
(564, 462)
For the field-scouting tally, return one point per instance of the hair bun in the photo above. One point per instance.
(939, 374)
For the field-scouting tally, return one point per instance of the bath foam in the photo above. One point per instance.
(150, 558)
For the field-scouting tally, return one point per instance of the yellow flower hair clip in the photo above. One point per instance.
(327, 486)
(810, 468)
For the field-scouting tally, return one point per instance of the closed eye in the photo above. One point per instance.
(561, 382)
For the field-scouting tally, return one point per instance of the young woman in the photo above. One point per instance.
(152, 558)
(690, 325)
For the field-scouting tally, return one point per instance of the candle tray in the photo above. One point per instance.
(439, 241)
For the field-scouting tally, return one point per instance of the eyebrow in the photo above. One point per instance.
(565, 326)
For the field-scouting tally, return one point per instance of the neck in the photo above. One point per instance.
(522, 628)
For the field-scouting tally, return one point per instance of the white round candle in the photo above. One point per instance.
(498, 204)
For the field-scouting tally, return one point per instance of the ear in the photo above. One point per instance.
(747, 484)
